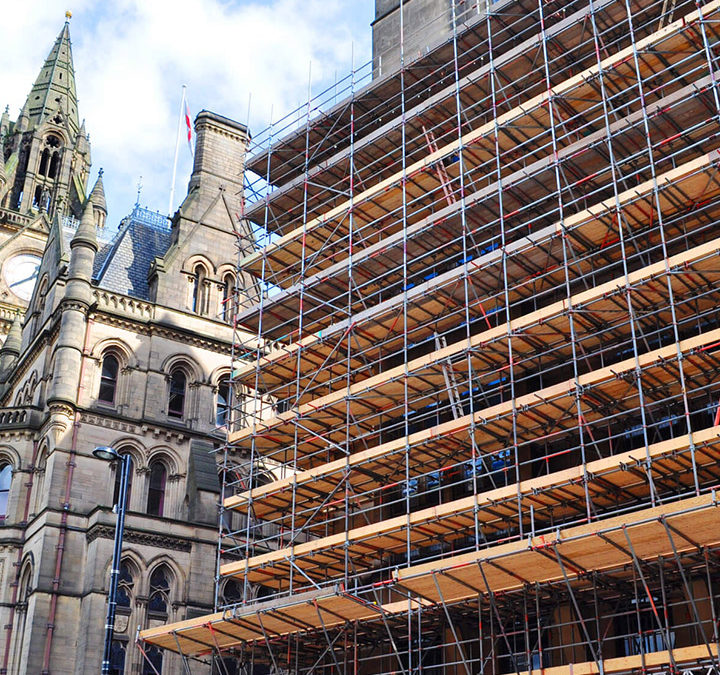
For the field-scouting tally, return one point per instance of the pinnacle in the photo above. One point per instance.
(97, 196)
(13, 341)
(86, 232)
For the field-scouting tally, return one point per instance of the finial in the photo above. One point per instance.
(68, 15)
(139, 190)
(100, 172)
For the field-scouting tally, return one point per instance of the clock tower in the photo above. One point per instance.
(44, 170)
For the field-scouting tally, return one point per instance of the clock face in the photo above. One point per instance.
(21, 272)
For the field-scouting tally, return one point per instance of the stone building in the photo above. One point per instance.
(126, 342)
(44, 170)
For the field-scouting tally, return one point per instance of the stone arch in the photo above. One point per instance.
(9, 455)
(167, 455)
(115, 346)
(134, 448)
(192, 368)
(191, 263)
(178, 577)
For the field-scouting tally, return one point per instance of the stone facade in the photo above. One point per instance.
(44, 171)
(425, 24)
(126, 342)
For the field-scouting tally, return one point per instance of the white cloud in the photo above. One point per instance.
(132, 56)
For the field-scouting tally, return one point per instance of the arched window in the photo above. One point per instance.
(126, 585)
(176, 399)
(159, 591)
(156, 489)
(109, 379)
(21, 609)
(117, 657)
(118, 476)
(232, 592)
(5, 480)
(228, 299)
(44, 161)
(54, 164)
(154, 656)
(224, 403)
(199, 298)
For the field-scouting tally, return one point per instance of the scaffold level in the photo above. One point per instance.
(476, 421)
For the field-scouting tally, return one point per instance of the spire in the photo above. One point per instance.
(97, 199)
(23, 120)
(97, 196)
(86, 232)
(54, 88)
(5, 121)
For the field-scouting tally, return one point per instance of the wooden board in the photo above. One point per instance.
(326, 179)
(554, 497)
(372, 205)
(326, 369)
(317, 425)
(510, 566)
(261, 621)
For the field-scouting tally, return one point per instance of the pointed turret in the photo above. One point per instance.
(83, 140)
(97, 198)
(23, 120)
(10, 350)
(54, 90)
(86, 233)
(5, 121)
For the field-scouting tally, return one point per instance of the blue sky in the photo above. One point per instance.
(240, 58)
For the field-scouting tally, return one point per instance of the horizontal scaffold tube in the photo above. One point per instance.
(562, 493)
(310, 237)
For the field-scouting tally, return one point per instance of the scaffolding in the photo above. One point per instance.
(477, 391)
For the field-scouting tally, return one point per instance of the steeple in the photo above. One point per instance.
(54, 90)
(97, 198)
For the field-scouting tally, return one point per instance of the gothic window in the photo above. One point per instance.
(152, 662)
(176, 399)
(118, 472)
(117, 657)
(5, 480)
(156, 488)
(109, 379)
(232, 592)
(54, 164)
(199, 298)
(159, 591)
(21, 609)
(126, 584)
(228, 299)
(223, 405)
(44, 161)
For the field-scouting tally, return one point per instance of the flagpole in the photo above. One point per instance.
(177, 151)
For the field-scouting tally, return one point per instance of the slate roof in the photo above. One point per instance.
(122, 265)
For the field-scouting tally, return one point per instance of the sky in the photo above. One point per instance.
(251, 60)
